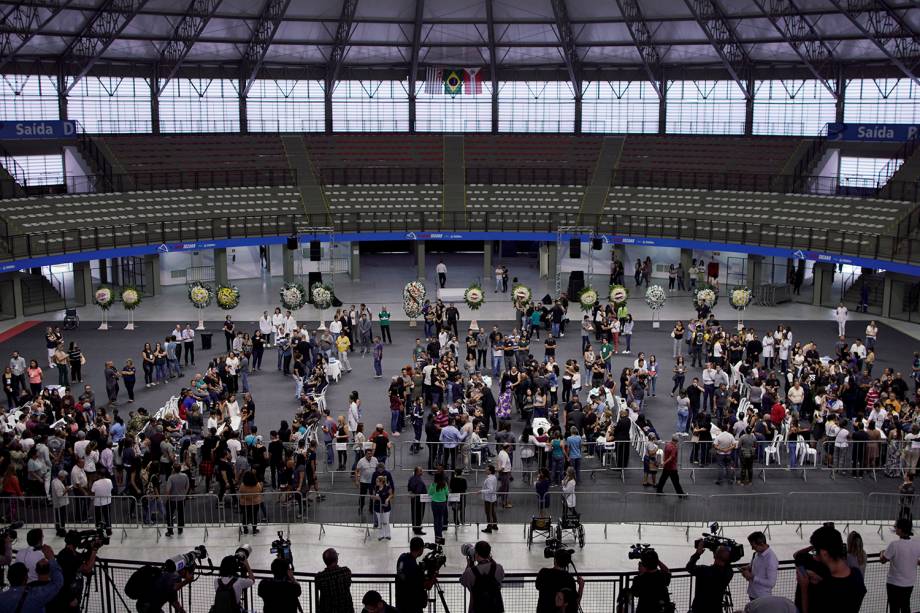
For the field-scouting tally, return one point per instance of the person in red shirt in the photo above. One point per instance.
(777, 414)
(669, 467)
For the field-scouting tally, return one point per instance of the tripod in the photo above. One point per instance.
(87, 582)
(727, 604)
(440, 592)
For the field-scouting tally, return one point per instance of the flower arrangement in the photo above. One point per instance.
(474, 296)
(655, 297)
(200, 295)
(587, 298)
(740, 298)
(104, 297)
(413, 297)
(618, 294)
(228, 297)
(705, 296)
(293, 295)
(322, 295)
(521, 295)
(130, 297)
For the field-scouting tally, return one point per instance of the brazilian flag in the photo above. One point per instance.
(453, 81)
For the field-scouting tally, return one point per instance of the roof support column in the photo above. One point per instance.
(841, 86)
(244, 124)
(663, 107)
(154, 103)
(62, 94)
(749, 107)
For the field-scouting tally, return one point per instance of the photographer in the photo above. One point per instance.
(333, 586)
(229, 586)
(761, 572)
(650, 586)
(281, 593)
(551, 581)
(35, 538)
(825, 581)
(75, 566)
(21, 597)
(411, 584)
(711, 581)
(483, 578)
(165, 590)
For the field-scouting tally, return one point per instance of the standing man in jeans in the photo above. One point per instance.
(724, 445)
(503, 466)
(442, 273)
(177, 488)
(669, 467)
(364, 476)
(904, 556)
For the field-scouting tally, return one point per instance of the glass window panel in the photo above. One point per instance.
(111, 105)
(536, 106)
(200, 105)
(705, 107)
(439, 112)
(792, 107)
(370, 106)
(40, 169)
(867, 172)
(285, 106)
(619, 107)
(881, 101)
(25, 97)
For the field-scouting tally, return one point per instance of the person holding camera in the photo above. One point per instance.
(711, 581)
(76, 567)
(229, 586)
(27, 598)
(552, 581)
(333, 586)
(483, 578)
(411, 584)
(281, 593)
(650, 586)
(825, 581)
(36, 551)
(761, 572)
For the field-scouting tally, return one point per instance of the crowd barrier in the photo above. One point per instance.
(519, 591)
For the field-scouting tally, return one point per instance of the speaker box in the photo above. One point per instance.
(315, 252)
(292, 243)
(575, 248)
(597, 244)
(576, 283)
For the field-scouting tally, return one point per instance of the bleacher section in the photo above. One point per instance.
(529, 201)
(380, 157)
(197, 152)
(527, 151)
(373, 198)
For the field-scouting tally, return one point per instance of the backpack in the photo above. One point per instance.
(486, 593)
(141, 582)
(225, 600)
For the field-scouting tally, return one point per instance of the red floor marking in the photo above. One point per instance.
(18, 329)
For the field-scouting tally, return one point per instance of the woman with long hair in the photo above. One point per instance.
(438, 491)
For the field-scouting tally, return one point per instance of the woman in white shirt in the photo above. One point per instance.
(277, 320)
(266, 328)
(871, 335)
(232, 408)
(568, 492)
(232, 365)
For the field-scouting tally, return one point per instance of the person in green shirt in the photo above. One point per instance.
(439, 491)
(607, 354)
(384, 318)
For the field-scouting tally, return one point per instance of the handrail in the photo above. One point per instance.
(889, 169)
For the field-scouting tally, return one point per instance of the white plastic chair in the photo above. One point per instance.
(805, 452)
(772, 450)
(320, 398)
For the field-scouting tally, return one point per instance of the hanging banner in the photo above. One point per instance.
(873, 132)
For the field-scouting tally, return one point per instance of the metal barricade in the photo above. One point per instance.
(664, 509)
(800, 508)
(194, 511)
(276, 509)
(884, 508)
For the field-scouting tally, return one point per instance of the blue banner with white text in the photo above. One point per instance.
(38, 130)
(873, 132)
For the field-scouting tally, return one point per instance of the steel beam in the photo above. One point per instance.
(21, 23)
(801, 35)
(717, 28)
(416, 45)
(343, 32)
(97, 35)
(184, 36)
(887, 30)
(641, 35)
(567, 42)
(262, 35)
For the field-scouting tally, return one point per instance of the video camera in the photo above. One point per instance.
(636, 551)
(188, 560)
(242, 554)
(282, 548)
(433, 561)
(554, 546)
(713, 541)
(10, 531)
(88, 539)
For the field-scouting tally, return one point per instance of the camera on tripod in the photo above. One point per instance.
(636, 551)
(282, 548)
(555, 546)
(189, 560)
(712, 541)
(88, 539)
(433, 561)
(10, 531)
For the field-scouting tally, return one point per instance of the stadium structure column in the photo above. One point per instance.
(841, 87)
(287, 265)
(221, 277)
(754, 270)
(355, 261)
(12, 302)
(749, 107)
(420, 259)
(486, 262)
(152, 273)
(103, 271)
(686, 260)
(823, 273)
(244, 122)
(154, 103)
(893, 293)
(83, 282)
(663, 107)
(62, 95)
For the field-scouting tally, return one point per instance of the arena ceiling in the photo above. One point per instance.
(572, 39)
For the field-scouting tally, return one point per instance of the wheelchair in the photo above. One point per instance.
(71, 320)
(570, 525)
(540, 526)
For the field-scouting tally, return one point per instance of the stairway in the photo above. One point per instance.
(99, 157)
(312, 196)
(592, 204)
(454, 178)
(903, 184)
(875, 283)
(39, 295)
(808, 155)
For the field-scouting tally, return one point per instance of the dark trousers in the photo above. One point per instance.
(675, 479)
(177, 508)
(228, 336)
(418, 514)
(366, 489)
(439, 511)
(60, 518)
(622, 450)
(450, 458)
(189, 351)
(442, 279)
(104, 517)
(385, 334)
(898, 598)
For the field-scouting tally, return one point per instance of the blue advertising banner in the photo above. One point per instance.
(873, 132)
(38, 130)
